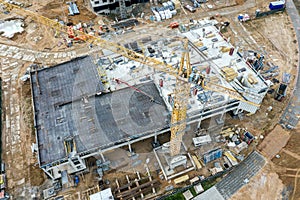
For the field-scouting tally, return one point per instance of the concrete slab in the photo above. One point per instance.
(67, 104)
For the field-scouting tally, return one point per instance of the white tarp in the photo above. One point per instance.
(9, 28)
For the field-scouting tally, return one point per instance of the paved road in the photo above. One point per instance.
(245, 170)
(231, 183)
(290, 116)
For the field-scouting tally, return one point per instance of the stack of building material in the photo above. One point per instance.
(231, 158)
(199, 44)
(229, 73)
(176, 4)
(224, 49)
(181, 179)
(252, 79)
(227, 132)
(210, 35)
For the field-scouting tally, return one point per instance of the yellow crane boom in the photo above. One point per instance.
(182, 89)
(208, 85)
(178, 120)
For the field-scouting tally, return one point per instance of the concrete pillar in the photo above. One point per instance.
(102, 156)
(155, 137)
(199, 123)
(220, 119)
(236, 111)
(222, 115)
(129, 146)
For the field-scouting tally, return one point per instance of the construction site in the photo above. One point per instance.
(149, 100)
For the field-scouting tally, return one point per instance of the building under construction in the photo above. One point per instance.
(83, 109)
(112, 6)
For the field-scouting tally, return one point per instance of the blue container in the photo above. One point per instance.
(212, 155)
(152, 18)
(276, 5)
(76, 180)
(240, 17)
(203, 48)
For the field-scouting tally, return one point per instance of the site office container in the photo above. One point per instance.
(276, 5)
(190, 8)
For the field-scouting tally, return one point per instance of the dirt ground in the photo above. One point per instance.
(257, 35)
(41, 37)
(264, 186)
(18, 133)
(283, 53)
(18, 124)
(288, 165)
(274, 142)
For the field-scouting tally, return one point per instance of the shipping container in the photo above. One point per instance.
(190, 8)
(176, 3)
(173, 12)
(275, 5)
(201, 140)
(75, 8)
(212, 155)
(162, 15)
(70, 11)
(158, 18)
(171, 5)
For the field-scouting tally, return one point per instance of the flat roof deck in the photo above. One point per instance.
(66, 107)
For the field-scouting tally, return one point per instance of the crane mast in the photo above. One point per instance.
(181, 95)
(182, 88)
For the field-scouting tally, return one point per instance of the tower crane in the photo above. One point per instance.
(182, 88)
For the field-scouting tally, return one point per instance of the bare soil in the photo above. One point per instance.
(288, 165)
(274, 142)
(265, 185)
(24, 171)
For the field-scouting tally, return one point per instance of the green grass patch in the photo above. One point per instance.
(208, 184)
(193, 191)
(177, 196)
